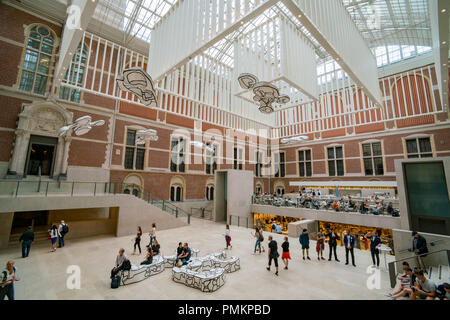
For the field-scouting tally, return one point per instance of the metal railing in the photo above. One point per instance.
(440, 257)
(16, 189)
(326, 203)
(246, 222)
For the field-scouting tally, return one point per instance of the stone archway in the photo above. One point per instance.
(134, 184)
(41, 119)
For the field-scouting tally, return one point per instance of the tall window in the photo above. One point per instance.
(210, 193)
(335, 161)
(77, 71)
(211, 159)
(238, 158)
(259, 164)
(134, 153)
(177, 159)
(304, 163)
(176, 193)
(36, 63)
(419, 148)
(373, 160)
(279, 164)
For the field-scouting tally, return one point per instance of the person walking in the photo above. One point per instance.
(228, 237)
(27, 238)
(273, 254)
(332, 243)
(137, 240)
(375, 243)
(320, 245)
(7, 282)
(261, 238)
(63, 229)
(304, 241)
(257, 235)
(152, 235)
(349, 242)
(285, 256)
(53, 234)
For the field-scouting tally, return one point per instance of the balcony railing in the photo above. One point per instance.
(343, 204)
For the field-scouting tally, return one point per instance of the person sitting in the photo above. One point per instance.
(443, 292)
(148, 257)
(315, 204)
(186, 255)
(404, 286)
(120, 259)
(156, 247)
(423, 288)
(335, 206)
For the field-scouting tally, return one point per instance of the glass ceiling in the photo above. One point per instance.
(394, 29)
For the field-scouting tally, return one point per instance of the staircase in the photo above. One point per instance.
(439, 274)
(39, 236)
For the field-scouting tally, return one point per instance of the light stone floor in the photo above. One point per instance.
(43, 274)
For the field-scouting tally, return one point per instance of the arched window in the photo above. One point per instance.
(176, 193)
(74, 76)
(209, 192)
(40, 46)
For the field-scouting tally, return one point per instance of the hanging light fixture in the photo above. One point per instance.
(146, 134)
(80, 126)
(138, 82)
(265, 93)
(294, 139)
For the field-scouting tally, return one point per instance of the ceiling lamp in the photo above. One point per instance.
(144, 135)
(81, 126)
(138, 82)
(294, 139)
(201, 145)
(265, 93)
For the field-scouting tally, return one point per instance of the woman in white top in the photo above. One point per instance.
(8, 277)
(228, 237)
(152, 235)
(54, 234)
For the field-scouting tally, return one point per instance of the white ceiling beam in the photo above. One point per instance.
(79, 13)
(440, 15)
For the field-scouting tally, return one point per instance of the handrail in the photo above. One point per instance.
(391, 265)
(432, 243)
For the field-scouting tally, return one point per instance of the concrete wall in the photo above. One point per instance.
(55, 216)
(403, 241)
(296, 228)
(219, 206)
(368, 220)
(187, 205)
(240, 191)
(130, 213)
(6, 220)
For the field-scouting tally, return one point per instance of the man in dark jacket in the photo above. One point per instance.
(419, 248)
(304, 241)
(332, 243)
(27, 238)
(349, 242)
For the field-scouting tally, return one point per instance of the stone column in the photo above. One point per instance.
(18, 159)
(65, 158)
(6, 220)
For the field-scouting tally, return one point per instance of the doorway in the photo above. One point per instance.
(37, 219)
(41, 156)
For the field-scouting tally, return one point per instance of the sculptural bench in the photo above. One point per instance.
(230, 265)
(169, 261)
(205, 281)
(142, 272)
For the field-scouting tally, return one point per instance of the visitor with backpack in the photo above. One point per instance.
(7, 281)
(53, 235)
(63, 230)
(122, 263)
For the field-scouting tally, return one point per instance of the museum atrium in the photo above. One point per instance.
(201, 121)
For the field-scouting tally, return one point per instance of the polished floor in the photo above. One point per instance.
(43, 275)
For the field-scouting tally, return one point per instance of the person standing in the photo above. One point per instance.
(304, 241)
(120, 259)
(63, 229)
(273, 254)
(349, 242)
(285, 256)
(228, 237)
(27, 238)
(419, 248)
(332, 243)
(375, 243)
(137, 240)
(258, 243)
(53, 234)
(7, 282)
(320, 245)
(261, 238)
(152, 234)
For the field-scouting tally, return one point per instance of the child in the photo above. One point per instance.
(286, 256)
(227, 237)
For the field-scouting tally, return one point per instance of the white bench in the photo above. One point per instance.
(206, 281)
(230, 265)
(142, 272)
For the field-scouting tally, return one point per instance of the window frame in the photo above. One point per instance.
(281, 173)
(372, 158)
(304, 162)
(185, 154)
(419, 154)
(335, 159)
(73, 68)
(213, 166)
(134, 149)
